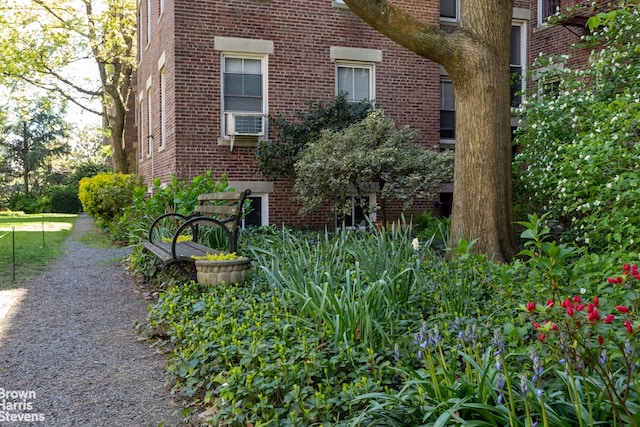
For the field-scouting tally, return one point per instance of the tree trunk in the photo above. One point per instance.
(482, 187)
(476, 56)
(25, 158)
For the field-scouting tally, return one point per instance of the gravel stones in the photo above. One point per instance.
(69, 352)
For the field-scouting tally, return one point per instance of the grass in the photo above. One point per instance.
(32, 241)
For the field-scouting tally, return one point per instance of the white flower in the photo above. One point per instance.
(583, 291)
(416, 244)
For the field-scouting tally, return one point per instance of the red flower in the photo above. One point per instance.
(550, 303)
(615, 280)
(536, 325)
(541, 337)
(609, 318)
(625, 268)
(590, 307)
(554, 327)
(594, 316)
(595, 301)
(634, 269)
(627, 325)
(600, 339)
(577, 299)
(580, 307)
(531, 306)
(622, 308)
(570, 310)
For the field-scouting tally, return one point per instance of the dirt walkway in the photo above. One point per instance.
(69, 354)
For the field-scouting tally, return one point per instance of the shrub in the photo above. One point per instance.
(177, 196)
(64, 200)
(106, 195)
(579, 143)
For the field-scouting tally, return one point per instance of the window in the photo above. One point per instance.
(447, 110)
(163, 107)
(517, 61)
(141, 119)
(547, 8)
(258, 213)
(149, 123)
(356, 81)
(244, 103)
(356, 217)
(148, 21)
(449, 10)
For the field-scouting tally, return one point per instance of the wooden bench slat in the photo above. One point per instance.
(218, 210)
(220, 196)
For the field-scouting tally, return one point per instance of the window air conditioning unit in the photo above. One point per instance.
(244, 124)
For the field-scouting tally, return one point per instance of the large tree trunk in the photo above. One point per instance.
(482, 188)
(476, 56)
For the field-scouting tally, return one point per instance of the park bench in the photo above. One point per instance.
(213, 225)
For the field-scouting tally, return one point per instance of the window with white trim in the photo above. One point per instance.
(243, 94)
(447, 110)
(356, 81)
(141, 120)
(359, 209)
(148, 21)
(517, 62)
(450, 10)
(546, 9)
(163, 107)
(258, 213)
(149, 123)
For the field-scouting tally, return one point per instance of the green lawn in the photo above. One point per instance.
(32, 241)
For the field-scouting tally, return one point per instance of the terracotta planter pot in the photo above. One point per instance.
(222, 272)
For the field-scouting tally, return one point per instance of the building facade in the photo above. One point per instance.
(211, 71)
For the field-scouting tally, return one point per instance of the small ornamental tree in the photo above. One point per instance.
(277, 158)
(365, 157)
(579, 142)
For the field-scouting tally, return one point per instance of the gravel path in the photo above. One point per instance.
(69, 353)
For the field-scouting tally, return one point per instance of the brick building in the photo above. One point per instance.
(210, 71)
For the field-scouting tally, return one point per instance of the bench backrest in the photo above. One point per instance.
(226, 207)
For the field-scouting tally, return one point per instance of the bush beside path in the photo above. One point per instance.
(69, 352)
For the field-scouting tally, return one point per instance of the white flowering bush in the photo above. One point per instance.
(579, 151)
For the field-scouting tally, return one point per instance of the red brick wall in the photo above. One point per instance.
(300, 70)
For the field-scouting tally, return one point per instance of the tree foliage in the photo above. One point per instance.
(580, 143)
(44, 43)
(32, 137)
(277, 158)
(366, 157)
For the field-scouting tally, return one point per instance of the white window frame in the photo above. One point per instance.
(457, 17)
(544, 20)
(142, 145)
(149, 124)
(148, 22)
(372, 216)
(264, 208)
(163, 108)
(358, 65)
(523, 54)
(264, 66)
(444, 79)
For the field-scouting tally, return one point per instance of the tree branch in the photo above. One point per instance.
(425, 39)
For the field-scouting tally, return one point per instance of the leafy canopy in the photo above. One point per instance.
(368, 156)
(277, 158)
(580, 141)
